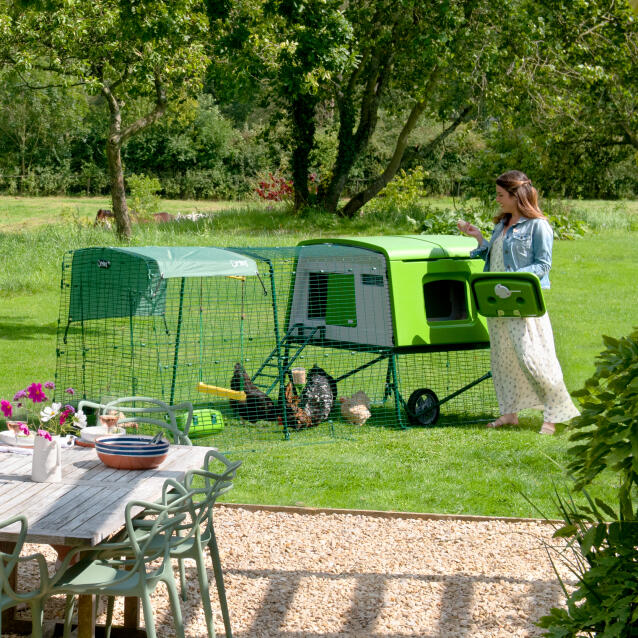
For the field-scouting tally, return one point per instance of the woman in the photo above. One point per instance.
(525, 370)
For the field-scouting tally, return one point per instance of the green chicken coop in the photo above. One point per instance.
(392, 321)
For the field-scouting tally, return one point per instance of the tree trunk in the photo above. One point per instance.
(118, 192)
(116, 139)
(303, 118)
(381, 181)
(114, 160)
(351, 143)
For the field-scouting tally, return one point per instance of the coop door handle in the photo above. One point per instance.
(503, 291)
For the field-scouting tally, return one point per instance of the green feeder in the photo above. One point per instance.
(206, 422)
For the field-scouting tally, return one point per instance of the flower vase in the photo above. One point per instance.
(47, 460)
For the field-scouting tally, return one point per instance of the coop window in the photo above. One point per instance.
(445, 300)
(371, 280)
(331, 297)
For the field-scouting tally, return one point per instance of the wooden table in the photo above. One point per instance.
(82, 510)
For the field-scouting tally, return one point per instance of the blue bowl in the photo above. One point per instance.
(131, 446)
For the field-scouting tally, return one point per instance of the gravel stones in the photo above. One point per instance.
(329, 575)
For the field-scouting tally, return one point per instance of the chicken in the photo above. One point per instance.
(258, 405)
(356, 408)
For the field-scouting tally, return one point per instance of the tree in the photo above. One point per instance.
(122, 50)
(292, 50)
(586, 94)
(446, 61)
(35, 126)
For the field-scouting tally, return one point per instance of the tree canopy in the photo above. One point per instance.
(352, 90)
(118, 49)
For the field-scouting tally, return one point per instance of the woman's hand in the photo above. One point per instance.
(471, 230)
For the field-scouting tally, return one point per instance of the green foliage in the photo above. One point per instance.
(604, 559)
(564, 219)
(144, 198)
(402, 203)
(582, 168)
(607, 431)
(401, 195)
(605, 554)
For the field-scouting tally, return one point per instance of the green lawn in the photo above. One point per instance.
(466, 469)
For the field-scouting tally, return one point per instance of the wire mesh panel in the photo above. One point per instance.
(305, 344)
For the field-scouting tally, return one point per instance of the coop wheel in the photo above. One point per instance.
(423, 407)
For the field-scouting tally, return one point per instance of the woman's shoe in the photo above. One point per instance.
(547, 428)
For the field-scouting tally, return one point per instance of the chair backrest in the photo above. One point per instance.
(210, 477)
(215, 484)
(140, 549)
(9, 562)
(145, 410)
(196, 502)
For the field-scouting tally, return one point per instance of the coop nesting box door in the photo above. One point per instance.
(508, 294)
(343, 290)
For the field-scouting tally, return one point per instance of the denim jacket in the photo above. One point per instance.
(527, 247)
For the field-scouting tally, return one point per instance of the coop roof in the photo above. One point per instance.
(127, 282)
(408, 247)
(193, 261)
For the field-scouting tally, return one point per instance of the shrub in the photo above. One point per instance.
(604, 541)
(402, 195)
(564, 220)
(144, 198)
(274, 188)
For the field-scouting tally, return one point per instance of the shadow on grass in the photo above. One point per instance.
(19, 331)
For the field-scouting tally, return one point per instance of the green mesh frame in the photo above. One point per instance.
(197, 328)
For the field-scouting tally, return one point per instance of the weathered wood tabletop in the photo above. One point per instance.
(88, 505)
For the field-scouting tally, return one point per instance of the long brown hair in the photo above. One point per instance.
(516, 183)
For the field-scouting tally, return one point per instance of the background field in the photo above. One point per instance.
(465, 469)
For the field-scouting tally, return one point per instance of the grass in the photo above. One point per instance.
(463, 469)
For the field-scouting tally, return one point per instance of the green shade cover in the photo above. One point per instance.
(126, 282)
(194, 261)
(508, 294)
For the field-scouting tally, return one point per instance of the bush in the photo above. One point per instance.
(564, 220)
(275, 188)
(402, 195)
(604, 541)
(144, 198)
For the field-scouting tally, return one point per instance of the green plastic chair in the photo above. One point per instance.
(194, 539)
(8, 562)
(143, 407)
(217, 484)
(123, 567)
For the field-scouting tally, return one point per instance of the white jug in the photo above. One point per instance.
(47, 460)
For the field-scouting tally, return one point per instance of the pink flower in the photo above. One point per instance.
(70, 408)
(65, 413)
(6, 407)
(34, 392)
(20, 395)
(49, 385)
(70, 391)
(45, 435)
(24, 429)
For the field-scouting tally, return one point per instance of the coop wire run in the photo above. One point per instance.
(381, 331)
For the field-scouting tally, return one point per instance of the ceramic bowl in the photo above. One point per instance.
(125, 462)
(131, 452)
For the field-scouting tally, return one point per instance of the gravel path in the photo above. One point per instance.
(330, 575)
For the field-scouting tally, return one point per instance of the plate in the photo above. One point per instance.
(8, 438)
(89, 434)
(83, 443)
